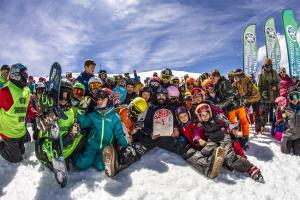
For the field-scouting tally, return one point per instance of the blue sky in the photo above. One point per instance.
(192, 35)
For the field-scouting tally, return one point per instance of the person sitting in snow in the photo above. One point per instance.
(291, 137)
(106, 131)
(219, 141)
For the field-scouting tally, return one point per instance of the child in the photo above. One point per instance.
(291, 137)
(278, 125)
(215, 130)
(106, 128)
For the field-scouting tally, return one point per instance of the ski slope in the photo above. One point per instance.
(158, 175)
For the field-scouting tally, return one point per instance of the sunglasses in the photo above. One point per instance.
(154, 84)
(95, 86)
(173, 98)
(268, 66)
(166, 77)
(78, 92)
(134, 110)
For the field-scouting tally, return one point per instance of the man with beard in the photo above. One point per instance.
(150, 139)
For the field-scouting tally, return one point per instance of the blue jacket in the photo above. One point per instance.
(105, 128)
(84, 79)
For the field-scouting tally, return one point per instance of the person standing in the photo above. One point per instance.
(84, 77)
(268, 86)
(4, 75)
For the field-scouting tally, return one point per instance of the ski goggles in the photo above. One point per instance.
(134, 110)
(175, 81)
(173, 98)
(166, 77)
(78, 92)
(268, 66)
(154, 84)
(190, 84)
(101, 95)
(95, 86)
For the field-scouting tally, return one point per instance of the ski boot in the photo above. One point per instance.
(110, 161)
(255, 174)
(217, 162)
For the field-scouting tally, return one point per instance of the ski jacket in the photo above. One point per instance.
(14, 105)
(84, 79)
(285, 83)
(126, 120)
(129, 98)
(293, 122)
(192, 133)
(230, 99)
(265, 82)
(247, 89)
(106, 128)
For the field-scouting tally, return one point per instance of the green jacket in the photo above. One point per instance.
(2, 81)
(265, 82)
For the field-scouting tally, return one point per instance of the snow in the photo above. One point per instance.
(158, 175)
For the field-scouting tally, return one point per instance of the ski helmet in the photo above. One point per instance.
(137, 106)
(175, 79)
(190, 81)
(120, 91)
(180, 110)
(294, 95)
(95, 83)
(18, 75)
(129, 82)
(78, 90)
(65, 83)
(65, 92)
(173, 91)
(162, 90)
(166, 74)
(207, 83)
(40, 87)
(145, 89)
(154, 82)
(203, 107)
(281, 102)
(79, 85)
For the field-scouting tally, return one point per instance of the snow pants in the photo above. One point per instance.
(268, 110)
(257, 116)
(12, 150)
(288, 146)
(242, 116)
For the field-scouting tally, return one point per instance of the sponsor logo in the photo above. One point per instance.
(291, 33)
(271, 32)
(250, 38)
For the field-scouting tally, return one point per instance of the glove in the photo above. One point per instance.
(216, 136)
(84, 103)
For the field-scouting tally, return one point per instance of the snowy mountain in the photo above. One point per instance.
(158, 175)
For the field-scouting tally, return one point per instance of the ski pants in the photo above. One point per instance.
(257, 116)
(242, 116)
(12, 150)
(289, 145)
(268, 110)
(90, 156)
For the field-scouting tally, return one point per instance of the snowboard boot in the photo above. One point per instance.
(217, 162)
(255, 174)
(110, 161)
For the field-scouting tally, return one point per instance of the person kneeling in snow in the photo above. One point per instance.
(106, 130)
(14, 106)
(291, 137)
(220, 141)
(279, 122)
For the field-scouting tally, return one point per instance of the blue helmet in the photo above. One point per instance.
(122, 91)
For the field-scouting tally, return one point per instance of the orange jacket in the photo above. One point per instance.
(123, 113)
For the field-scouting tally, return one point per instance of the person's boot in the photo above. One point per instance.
(255, 174)
(217, 162)
(110, 161)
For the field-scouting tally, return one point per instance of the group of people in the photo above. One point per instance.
(112, 121)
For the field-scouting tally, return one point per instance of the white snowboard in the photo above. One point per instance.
(163, 122)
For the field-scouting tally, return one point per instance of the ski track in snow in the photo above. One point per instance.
(158, 175)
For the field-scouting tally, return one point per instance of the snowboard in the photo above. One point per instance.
(163, 122)
(49, 114)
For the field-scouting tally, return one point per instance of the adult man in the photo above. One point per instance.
(231, 102)
(14, 106)
(268, 86)
(106, 83)
(4, 75)
(131, 94)
(84, 77)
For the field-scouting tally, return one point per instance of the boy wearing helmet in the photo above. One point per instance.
(14, 106)
(291, 137)
(71, 136)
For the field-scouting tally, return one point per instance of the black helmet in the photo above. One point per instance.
(162, 90)
(166, 71)
(238, 72)
(65, 83)
(145, 89)
(129, 82)
(17, 75)
(5, 67)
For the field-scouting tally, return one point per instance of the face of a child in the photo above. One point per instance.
(295, 101)
(197, 99)
(204, 116)
(183, 117)
(146, 96)
(102, 103)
